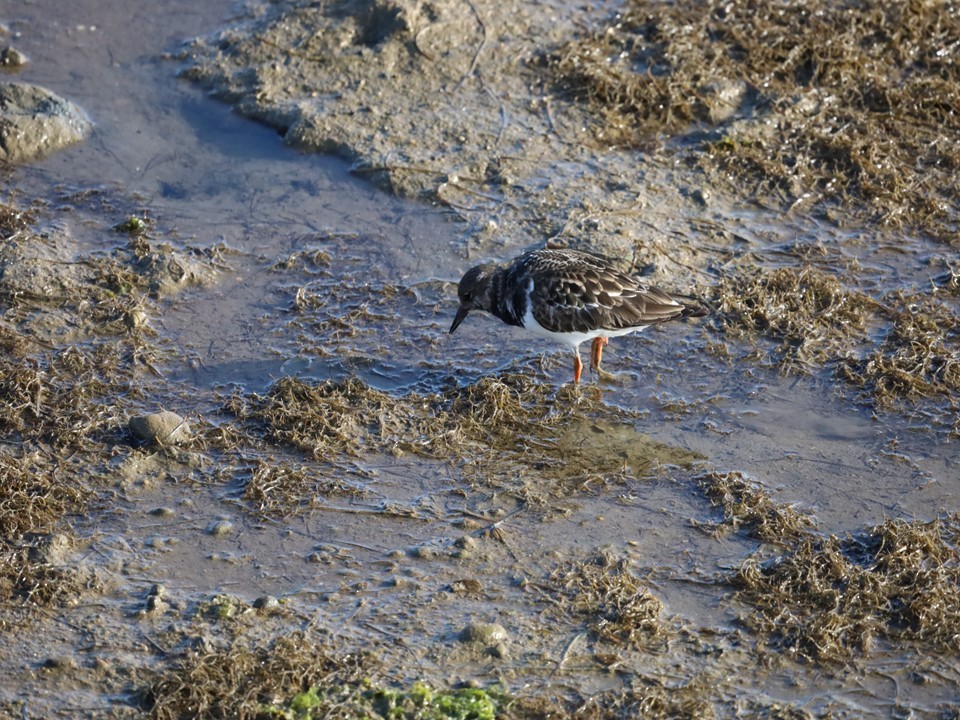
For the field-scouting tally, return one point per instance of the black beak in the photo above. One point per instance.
(462, 313)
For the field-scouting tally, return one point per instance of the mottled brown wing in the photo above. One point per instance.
(559, 305)
(579, 293)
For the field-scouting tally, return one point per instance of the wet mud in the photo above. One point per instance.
(246, 471)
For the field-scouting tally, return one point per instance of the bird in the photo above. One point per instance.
(569, 297)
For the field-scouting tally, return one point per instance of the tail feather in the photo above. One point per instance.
(691, 311)
(693, 307)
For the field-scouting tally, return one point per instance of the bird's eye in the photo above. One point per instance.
(467, 297)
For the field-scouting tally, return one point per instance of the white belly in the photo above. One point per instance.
(572, 339)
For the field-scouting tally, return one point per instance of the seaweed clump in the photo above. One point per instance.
(749, 507)
(14, 220)
(50, 406)
(490, 426)
(278, 489)
(244, 683)
(326, 419)
(63, 398)
(810, 314)
(900, 347)
(31, 496)
(32, 499)
(829, 598)
(295, 677)
(614, 602)
(347, 417)
(834, 101)
(918, 357)
(648, 698)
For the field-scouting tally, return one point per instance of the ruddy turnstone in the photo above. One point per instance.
(569, 297)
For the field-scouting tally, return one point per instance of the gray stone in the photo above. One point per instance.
(52, 549)
(35, 122)
(11, 58)
(162, 428)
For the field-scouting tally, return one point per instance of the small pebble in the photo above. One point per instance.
(60, 662)
(12, 58)
(468, 586)
(220, 528)
(400, 583)
(701, 196)
(52, 549)
(424, 552)
(465, 542)
(267, 603)
(483, 634)
(155, 604)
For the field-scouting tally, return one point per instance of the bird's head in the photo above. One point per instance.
(474, 292)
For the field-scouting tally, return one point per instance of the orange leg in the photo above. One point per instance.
(596, 351)
(577, 366)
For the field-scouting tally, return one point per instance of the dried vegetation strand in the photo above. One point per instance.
(811, 315)
(749, 507)
(948, 281)
(898, 347)
(648, 698)
(241, 683)
(490, 424)
(829, 599)
(918, 357)
(823, 101)
(611, 599)
(33, 497)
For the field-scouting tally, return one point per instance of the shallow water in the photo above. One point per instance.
(365, 564)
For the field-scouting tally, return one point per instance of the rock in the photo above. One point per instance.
(34, 122)
(267, 604)
(464, 547)
(424, 552)
(701, 196)
(61, 662)
(162, 428)
(154, 605)
(465, 542)
(155, 602)
(467, 586)
(12, 58)
(220, 528)
(486, 634)
(202, 644)
(490, 639)
(51, 549)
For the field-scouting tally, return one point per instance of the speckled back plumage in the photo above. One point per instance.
(577, 292)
